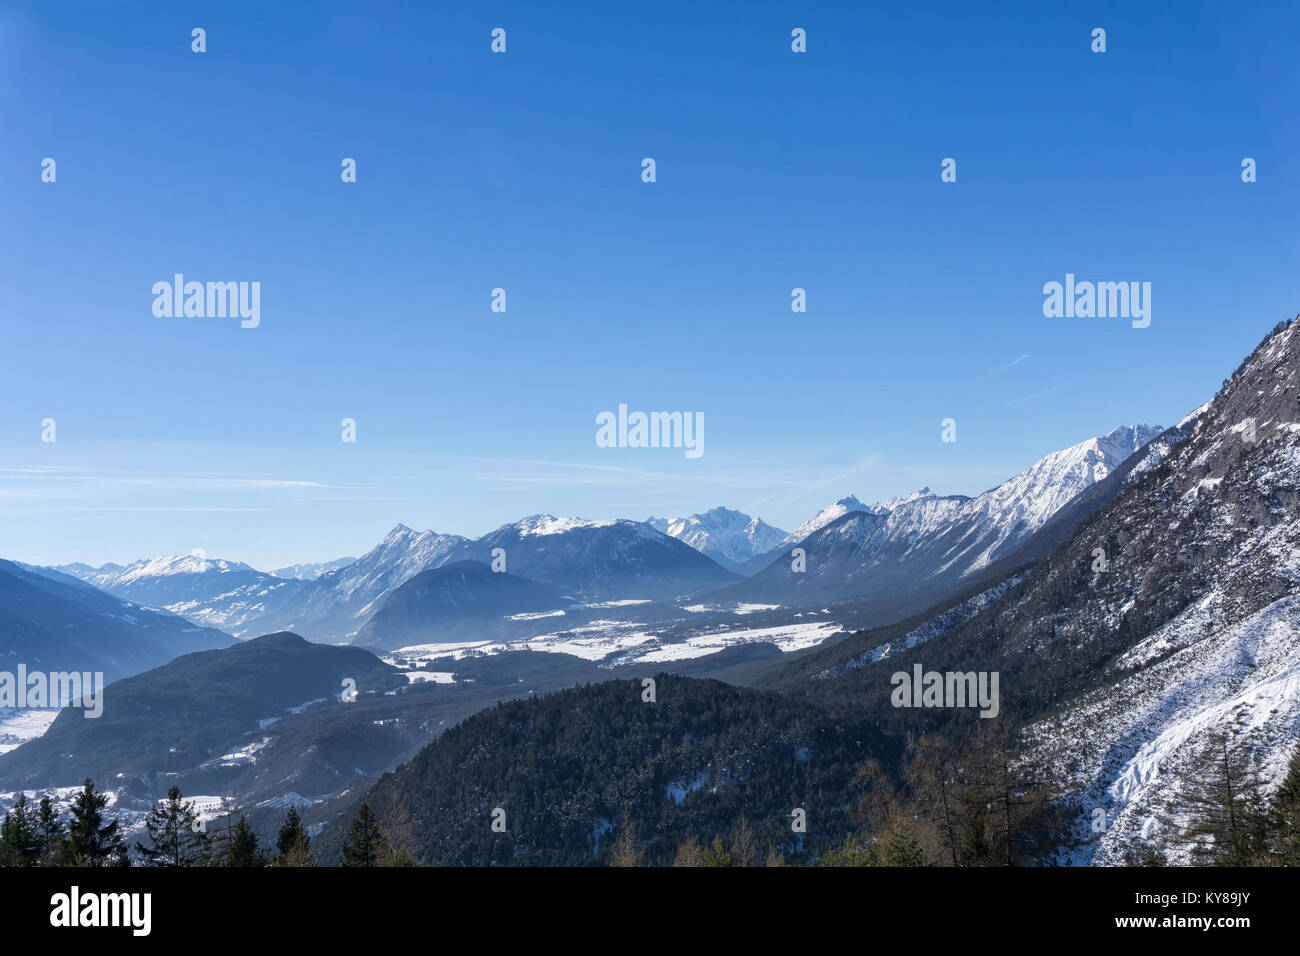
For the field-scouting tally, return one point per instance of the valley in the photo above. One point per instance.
(509, 669)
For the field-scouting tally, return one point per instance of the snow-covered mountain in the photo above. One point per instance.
(727, 536)
(54, 622)
(399, 556)
(889, 504)
(1166, 619)
(311, 570)
(922, 545)
(216, 593)
(822, 518)
(592, 560)
(152, 572)
(337, 603)
(601, 560)
(1194, 625)
(845, 505)
(855, 548)
(921, 539)
(94, 576)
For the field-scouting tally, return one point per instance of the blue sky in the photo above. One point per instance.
(522, 171)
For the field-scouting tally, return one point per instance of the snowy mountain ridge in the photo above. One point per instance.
(927, 544)
(728, 536)
(1191, 624)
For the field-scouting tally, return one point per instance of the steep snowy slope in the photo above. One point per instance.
(336, 604)
(844, 506)
(1170, 610)
(1201, 603)
(927, 545)
(824, 517)
(400, 555)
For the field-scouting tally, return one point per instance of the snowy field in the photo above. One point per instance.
(19, 726)
(613, 643)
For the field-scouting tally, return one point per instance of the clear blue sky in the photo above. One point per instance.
(478, 170)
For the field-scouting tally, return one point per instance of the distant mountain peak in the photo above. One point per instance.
(890, 504)
(541, 524)
(162, 566)
(821, 519)
(721, 511)
(311, 570)
(726, 535)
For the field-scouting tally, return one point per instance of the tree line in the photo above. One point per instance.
(37, 834)
(979, 804)
(986, 804)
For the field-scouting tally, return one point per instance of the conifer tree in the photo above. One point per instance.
(365, 845)
(176, 834)
(20, 837)
(51, 830)
(91, 841)
(1144, 854)
(901, 848)
(292, 846)
(1015, 812)
(976, 848)
(300, 853)
(242, 848)
(290, 832)
(715, 854)
(852, 852)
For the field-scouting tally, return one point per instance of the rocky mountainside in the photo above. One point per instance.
(463, 595)
(917, 550)
(1169, 612)
(600, 560)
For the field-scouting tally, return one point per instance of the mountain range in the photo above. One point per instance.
(899, 555)
(1167, 611)
(891, 557)
(311, 570)
(727, 536)
(1136, 593)
(467, 593)
(53, 622)
(223, 594)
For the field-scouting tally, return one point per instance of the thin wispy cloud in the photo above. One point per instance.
(1033, 395)
(152, 508)
(43, 470)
